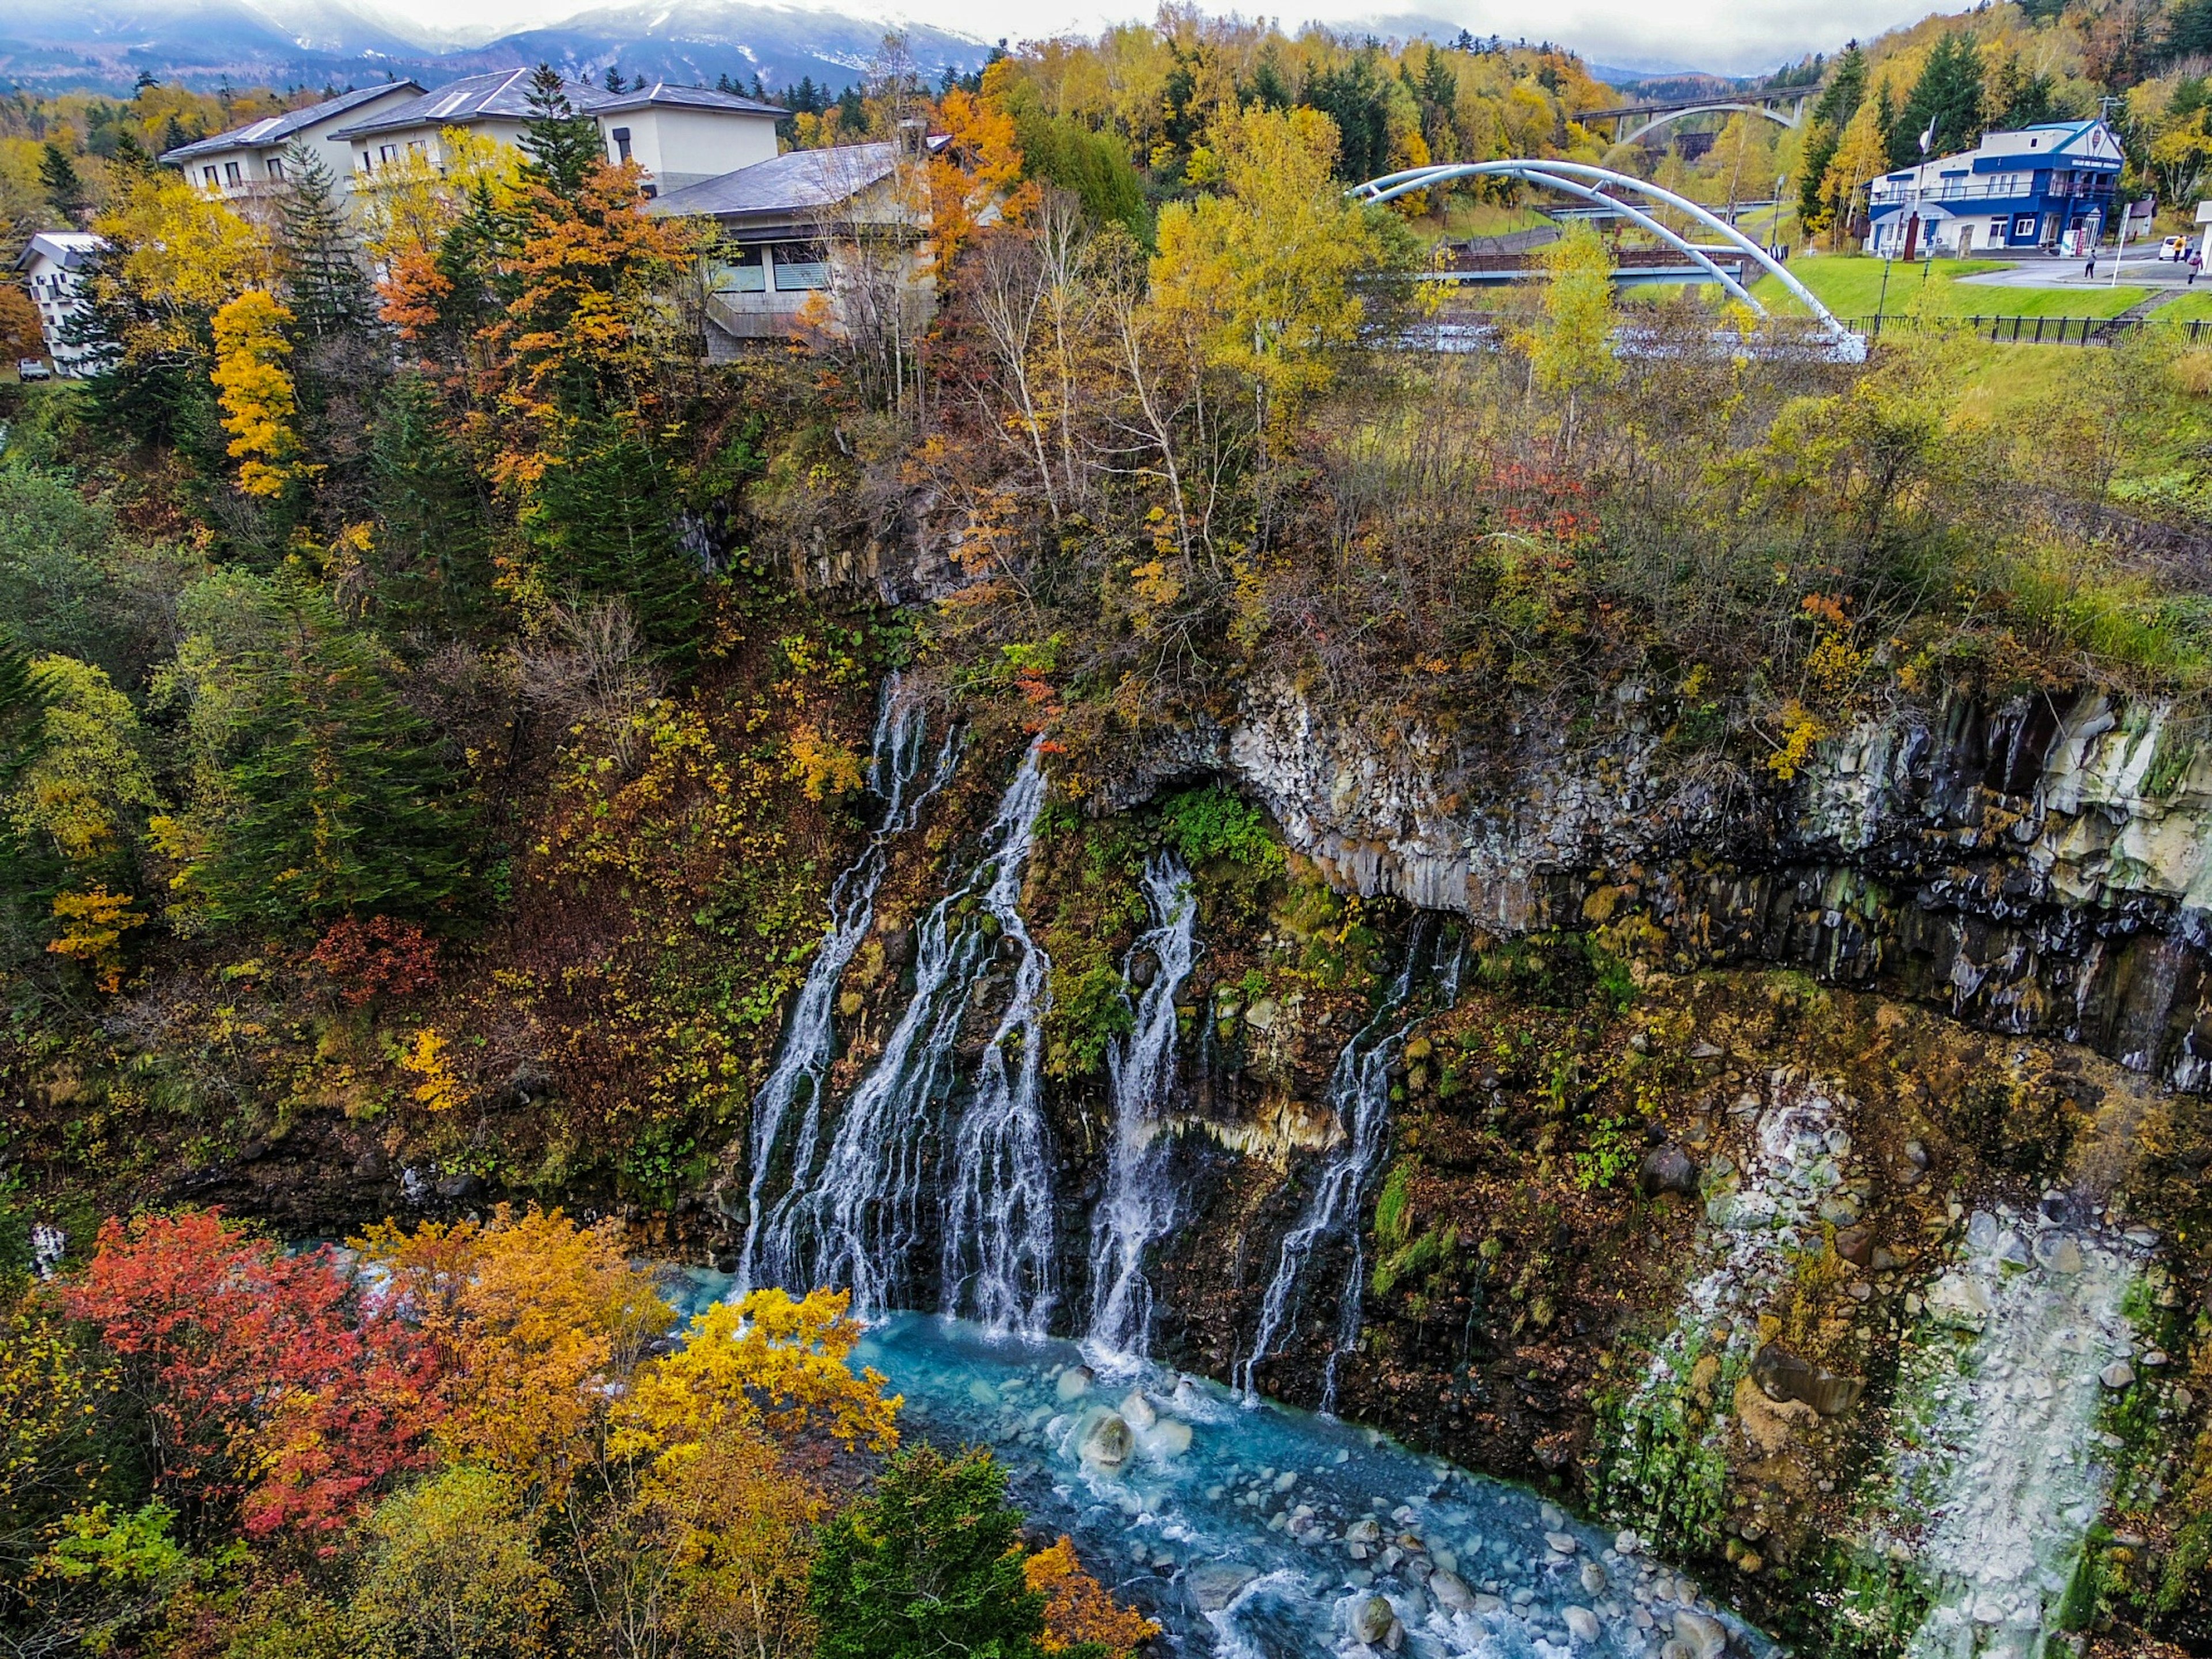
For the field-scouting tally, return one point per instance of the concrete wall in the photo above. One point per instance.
(680, 146)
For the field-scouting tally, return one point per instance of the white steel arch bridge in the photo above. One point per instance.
(1601, 186)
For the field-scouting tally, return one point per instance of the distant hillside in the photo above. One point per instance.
(48, 44)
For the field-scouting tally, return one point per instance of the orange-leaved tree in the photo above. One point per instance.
(1078, 1612)
(535, 1320)
(975, 173)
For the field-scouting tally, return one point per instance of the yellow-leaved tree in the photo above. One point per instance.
(179, 257)
(1862, 156)
(259, 408)
(1264, 267)
(1569, 348)
(770, 1365)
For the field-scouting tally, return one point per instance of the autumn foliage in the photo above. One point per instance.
(1078, 1610)
(377, 958)
(275, 1397)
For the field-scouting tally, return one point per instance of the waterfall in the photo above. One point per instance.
(997, 1237)
(1359, 1095)
(901, 735)
(1140, 1068)
(2003, 1469)
(852, 1214)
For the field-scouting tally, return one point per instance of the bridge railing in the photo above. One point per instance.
(2031, 331)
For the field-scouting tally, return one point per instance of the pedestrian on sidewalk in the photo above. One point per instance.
(2089, 270)
(2195, 265)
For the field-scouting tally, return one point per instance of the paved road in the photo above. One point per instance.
(2143, 272)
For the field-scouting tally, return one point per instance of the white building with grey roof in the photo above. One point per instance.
(681, 135)
(251, 160)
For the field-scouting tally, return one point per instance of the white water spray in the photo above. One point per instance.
(852, 1214)
(2006, 1474)
(997, 1237)
(809, 1042)
(1359, 1095)
(1140, 1205)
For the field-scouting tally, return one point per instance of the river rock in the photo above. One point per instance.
(1452, 1592)
(1782, 1376)
(1169, 1436)
(1367, 1530)
(1106, 1443)
(1074, 1382)
(1626, 1542)
(1705, 1636)
(1371, 1618)
(2118, 1375)
(1959, 1302)
(1214, 1585)
(1668, 1169)
(1581, 1623)
(1137, 1411)
(1594, 1579)
(1563, 1543)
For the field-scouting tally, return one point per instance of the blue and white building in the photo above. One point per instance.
(2041, 187)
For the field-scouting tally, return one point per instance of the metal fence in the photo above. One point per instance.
(2032, 331)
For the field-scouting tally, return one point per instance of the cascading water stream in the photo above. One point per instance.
(809, 1042)
(1139, 1204)
(2002, 1473)
(852, 1214)
(1359, 1095)
(997, 1237)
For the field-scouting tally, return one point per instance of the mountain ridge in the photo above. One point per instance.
(50, 44)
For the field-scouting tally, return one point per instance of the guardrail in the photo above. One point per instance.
(2032, 331)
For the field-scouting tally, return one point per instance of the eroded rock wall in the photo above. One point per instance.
(2040, 867)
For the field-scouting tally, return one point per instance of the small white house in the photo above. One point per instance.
(52, 266)
(250, 161)
(680, 136)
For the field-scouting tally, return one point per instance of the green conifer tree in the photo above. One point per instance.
(602, 516)
(324, 284)
(57, 177)
(339, 799)
(1946, 98)
(927, 1566)
(561, 144)
(431, 550)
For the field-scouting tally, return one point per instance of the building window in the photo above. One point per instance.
(741, 270)
(801, 266)
(386, 154)
(230, 174)
(214, 180)
(2023, 224)
(276, 168)
(621, 136)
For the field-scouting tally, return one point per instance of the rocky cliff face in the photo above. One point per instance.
(2037, 867)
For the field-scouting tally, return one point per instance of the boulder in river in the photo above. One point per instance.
(1452, 1593)
(1106, 1443)
(1074, 1382)
(1214, 1585)
(1705, 1636)
(1371, 1618)
(1138, 1411)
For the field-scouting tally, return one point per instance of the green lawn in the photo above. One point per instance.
(1851, 285)
(2193, 306)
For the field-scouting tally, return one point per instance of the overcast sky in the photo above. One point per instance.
(1734, 37)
